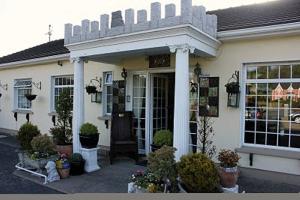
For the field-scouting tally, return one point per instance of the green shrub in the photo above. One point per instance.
(163, 165)
(25, 134)
(88, 129)
(61, 136)
(76, 157)
(163, 137)
(198, 173)
(42, 146)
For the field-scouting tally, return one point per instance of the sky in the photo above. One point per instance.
(24, 23)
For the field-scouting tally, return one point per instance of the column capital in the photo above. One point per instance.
(78, 59)
(183, 47)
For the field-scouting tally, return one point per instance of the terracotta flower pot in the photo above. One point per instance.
(228, 176)
(65, 149)
(63, 173)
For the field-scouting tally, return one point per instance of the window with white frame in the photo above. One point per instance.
(272, 106)
(108, 93)
(21, 88)
(59, 84)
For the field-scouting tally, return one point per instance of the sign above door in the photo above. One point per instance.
(158, 61)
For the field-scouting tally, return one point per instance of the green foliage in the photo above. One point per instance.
(163, 137)
(163, 165)
(42, 147)
(25, 134)
(62, 133)
(76, 157)
(198, 173)
(61, 136)
(228, 158)
(88, 129)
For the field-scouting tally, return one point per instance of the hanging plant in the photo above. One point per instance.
(91, 89)
(232, 88)
(30, 97)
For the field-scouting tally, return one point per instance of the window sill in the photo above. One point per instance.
(22, 111)
(270, 152)
(105, 117)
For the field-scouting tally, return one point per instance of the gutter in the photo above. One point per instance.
(264, 31)
(35, 61)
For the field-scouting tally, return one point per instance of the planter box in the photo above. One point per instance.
(228, 176)
(29, 163)
(65, 149)
(90, 141)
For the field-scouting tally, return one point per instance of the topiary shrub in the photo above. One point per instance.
(42, 146)
(88, 129)
(163, 165)
(198, 173)
(76, 157)
(25, 135)
(163, 137)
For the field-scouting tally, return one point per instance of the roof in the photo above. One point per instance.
(257, 15)
(44, 50)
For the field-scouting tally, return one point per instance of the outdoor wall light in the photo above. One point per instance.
(60, 63)
(124, 73)
(198, 70)
(233, 90)
(96, 97)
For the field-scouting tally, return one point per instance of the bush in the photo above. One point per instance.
(163, 137)
(76, 157)
(42, 146)
(88, 129)
(198, 173)
(61, 136)
(228, 158)
(25, 134)
(163, 165)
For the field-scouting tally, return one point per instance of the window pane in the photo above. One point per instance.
(260, 138)
(285, 71)
(261, 101)
(262, 88)
(249, 137)
(273, 72)
(296, 71)
(251, 89)
(260, 126)
(272, 139)
(295, 141)
(251, 73)
(283, 140)
(250, 125)
(250, 101)
(262, 72)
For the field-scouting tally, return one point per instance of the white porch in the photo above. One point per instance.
(193, 32)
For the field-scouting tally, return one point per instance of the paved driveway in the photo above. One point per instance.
(9, 183)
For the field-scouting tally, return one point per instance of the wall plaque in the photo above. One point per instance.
(159, 61)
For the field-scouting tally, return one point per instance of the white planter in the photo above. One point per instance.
(231, 190)
(131, 188)
(91, 160)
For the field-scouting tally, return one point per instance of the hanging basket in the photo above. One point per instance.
(30, 97)
(232, 88)
(90, 89)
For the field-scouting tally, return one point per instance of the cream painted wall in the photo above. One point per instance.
(231, 57)
(41, 105)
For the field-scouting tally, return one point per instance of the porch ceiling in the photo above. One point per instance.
(113, 49)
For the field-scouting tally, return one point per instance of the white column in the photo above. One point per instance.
(181, 108)
(78, 102)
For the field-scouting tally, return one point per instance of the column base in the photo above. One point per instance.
(90, 157)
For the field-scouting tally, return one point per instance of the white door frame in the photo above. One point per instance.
(149, 106)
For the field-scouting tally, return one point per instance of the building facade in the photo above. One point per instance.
(160, 56)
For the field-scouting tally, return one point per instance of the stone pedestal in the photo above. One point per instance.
(90, 157)
(231, 190)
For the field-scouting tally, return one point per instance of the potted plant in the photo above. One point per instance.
(197, 174)
(77, 164)
(145, 182)
(163, 165)
(63, 166)
(232, 88)
(89, 136)
(62, 132)
(162, 137)
(228, 169)
(91, 89)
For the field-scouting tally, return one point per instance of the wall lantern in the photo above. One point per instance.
(38, 85)
(96, 97)
(197, 72)
(91, 88)
(233, 90)
(4, 86)
(124, 73)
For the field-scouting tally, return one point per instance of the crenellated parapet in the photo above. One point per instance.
(193, 15)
